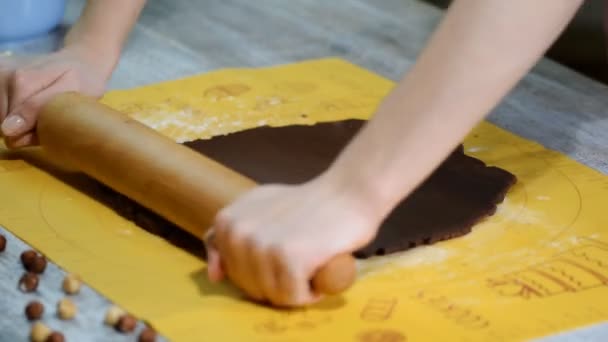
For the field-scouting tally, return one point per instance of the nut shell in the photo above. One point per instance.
(34, 310)
(55, 336)
(28, 282)
(33, 262)
(27, 257)
(2, 243)
(38, 265)
(126, 323)
(147, 335)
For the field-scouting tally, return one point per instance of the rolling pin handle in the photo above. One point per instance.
(336, 276)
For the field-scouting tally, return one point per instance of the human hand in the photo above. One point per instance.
(272, 240)
(26, 84)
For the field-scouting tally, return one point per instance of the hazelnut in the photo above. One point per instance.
(34, 310)
(71, 284)
(38, 265)
(55, 336)
(40, 332)
(28, 282)
(113, 315)
(2, 243)
(33, 262)
(28, 257)
(126, 323)
(66, 309)
(147, 335)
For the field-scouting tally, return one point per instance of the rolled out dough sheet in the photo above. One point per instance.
(460, 193)
(536, 267)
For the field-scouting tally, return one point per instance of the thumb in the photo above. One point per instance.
(15, 125)
(22, 119)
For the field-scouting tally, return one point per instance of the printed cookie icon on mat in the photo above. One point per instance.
(384, 335)
(378, 309)
(285, 323)
(578, 269)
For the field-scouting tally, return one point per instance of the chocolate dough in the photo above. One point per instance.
(460, 193)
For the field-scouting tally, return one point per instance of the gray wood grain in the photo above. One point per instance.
(554, 106)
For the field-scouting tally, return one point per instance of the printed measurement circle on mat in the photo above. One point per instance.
(69, 213)
(543, 205)
(12, 165)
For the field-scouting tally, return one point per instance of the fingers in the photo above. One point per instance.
(4, 93)
(22, 89)
(214, 267)
(238, 253)
(293, 286)
(264, 270)
(28, 139)
(249, 261)
(20, 85)
(27, 82)
(215, 272)
(263, 250)
(3, 99)
(265, 273)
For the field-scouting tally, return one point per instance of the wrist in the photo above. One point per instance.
(362, 193)
(103, 58)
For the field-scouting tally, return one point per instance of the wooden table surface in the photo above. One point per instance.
(554, 106)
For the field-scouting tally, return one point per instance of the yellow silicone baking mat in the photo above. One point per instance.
(539, 266)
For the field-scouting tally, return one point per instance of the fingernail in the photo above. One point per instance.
(12, 125)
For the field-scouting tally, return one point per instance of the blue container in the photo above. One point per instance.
(21, 19)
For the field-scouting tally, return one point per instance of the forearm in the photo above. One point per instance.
(102, 30)
(478, 53)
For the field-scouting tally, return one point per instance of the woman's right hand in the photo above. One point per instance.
(26, 84)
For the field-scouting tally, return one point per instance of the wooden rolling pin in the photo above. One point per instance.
(170, 179)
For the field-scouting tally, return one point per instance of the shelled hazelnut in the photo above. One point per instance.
(113, 315)
(66, 309)
(71, 284)
(39, 332)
